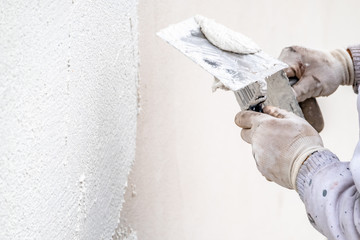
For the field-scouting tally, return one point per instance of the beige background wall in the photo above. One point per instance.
(194, 178)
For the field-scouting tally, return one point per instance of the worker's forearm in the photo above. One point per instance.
(332, 202)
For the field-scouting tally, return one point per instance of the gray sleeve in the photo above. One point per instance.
(332, 201)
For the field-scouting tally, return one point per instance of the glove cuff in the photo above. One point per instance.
(314, 163)
(347, 65)
(355, 54)
(300, 160)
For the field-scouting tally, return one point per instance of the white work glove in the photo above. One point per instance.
(320, 73)
(281, 142)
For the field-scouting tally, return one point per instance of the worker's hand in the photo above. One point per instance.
(281, 142)
(320, 73)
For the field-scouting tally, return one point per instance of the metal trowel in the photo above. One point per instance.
(244, 74)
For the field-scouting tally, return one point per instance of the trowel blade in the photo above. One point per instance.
(235, 71)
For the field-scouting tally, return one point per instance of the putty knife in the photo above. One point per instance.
(244, 74)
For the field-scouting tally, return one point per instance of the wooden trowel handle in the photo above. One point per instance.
(312, 113)
(310, 109)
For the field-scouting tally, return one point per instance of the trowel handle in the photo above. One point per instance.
(312, 113)
(311, 110)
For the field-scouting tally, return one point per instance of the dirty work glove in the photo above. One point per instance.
(281, 142)
(320, 73)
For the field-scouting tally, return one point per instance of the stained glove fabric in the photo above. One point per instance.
(320, 73)
(281, 142)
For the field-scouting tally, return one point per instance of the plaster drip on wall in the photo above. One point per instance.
(82, 203)
(138, 100)
(124, 232)
(133, 190)
(134, 24)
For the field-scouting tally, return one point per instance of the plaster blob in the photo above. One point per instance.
(217, 84)
(225, 38)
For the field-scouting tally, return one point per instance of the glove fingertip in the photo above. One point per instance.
(246, 135)
(275, 112)
(269, 109)
(289, 72)
(237, 119)
(299, 92)
(244, 119)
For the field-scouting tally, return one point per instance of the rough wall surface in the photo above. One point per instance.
(68, 109)
(193, 177)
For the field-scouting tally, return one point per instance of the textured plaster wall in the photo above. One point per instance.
(68, 110)
(194, 178)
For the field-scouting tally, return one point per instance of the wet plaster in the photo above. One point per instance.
(68, 114)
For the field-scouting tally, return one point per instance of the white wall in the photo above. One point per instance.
(194, 178)
(68, 107)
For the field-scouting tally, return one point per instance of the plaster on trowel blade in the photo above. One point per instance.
(242, 73)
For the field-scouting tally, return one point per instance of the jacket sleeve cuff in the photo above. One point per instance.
(311, 166)
(355, 54)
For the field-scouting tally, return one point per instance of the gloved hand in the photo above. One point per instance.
(281, 142)
(320, 73)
